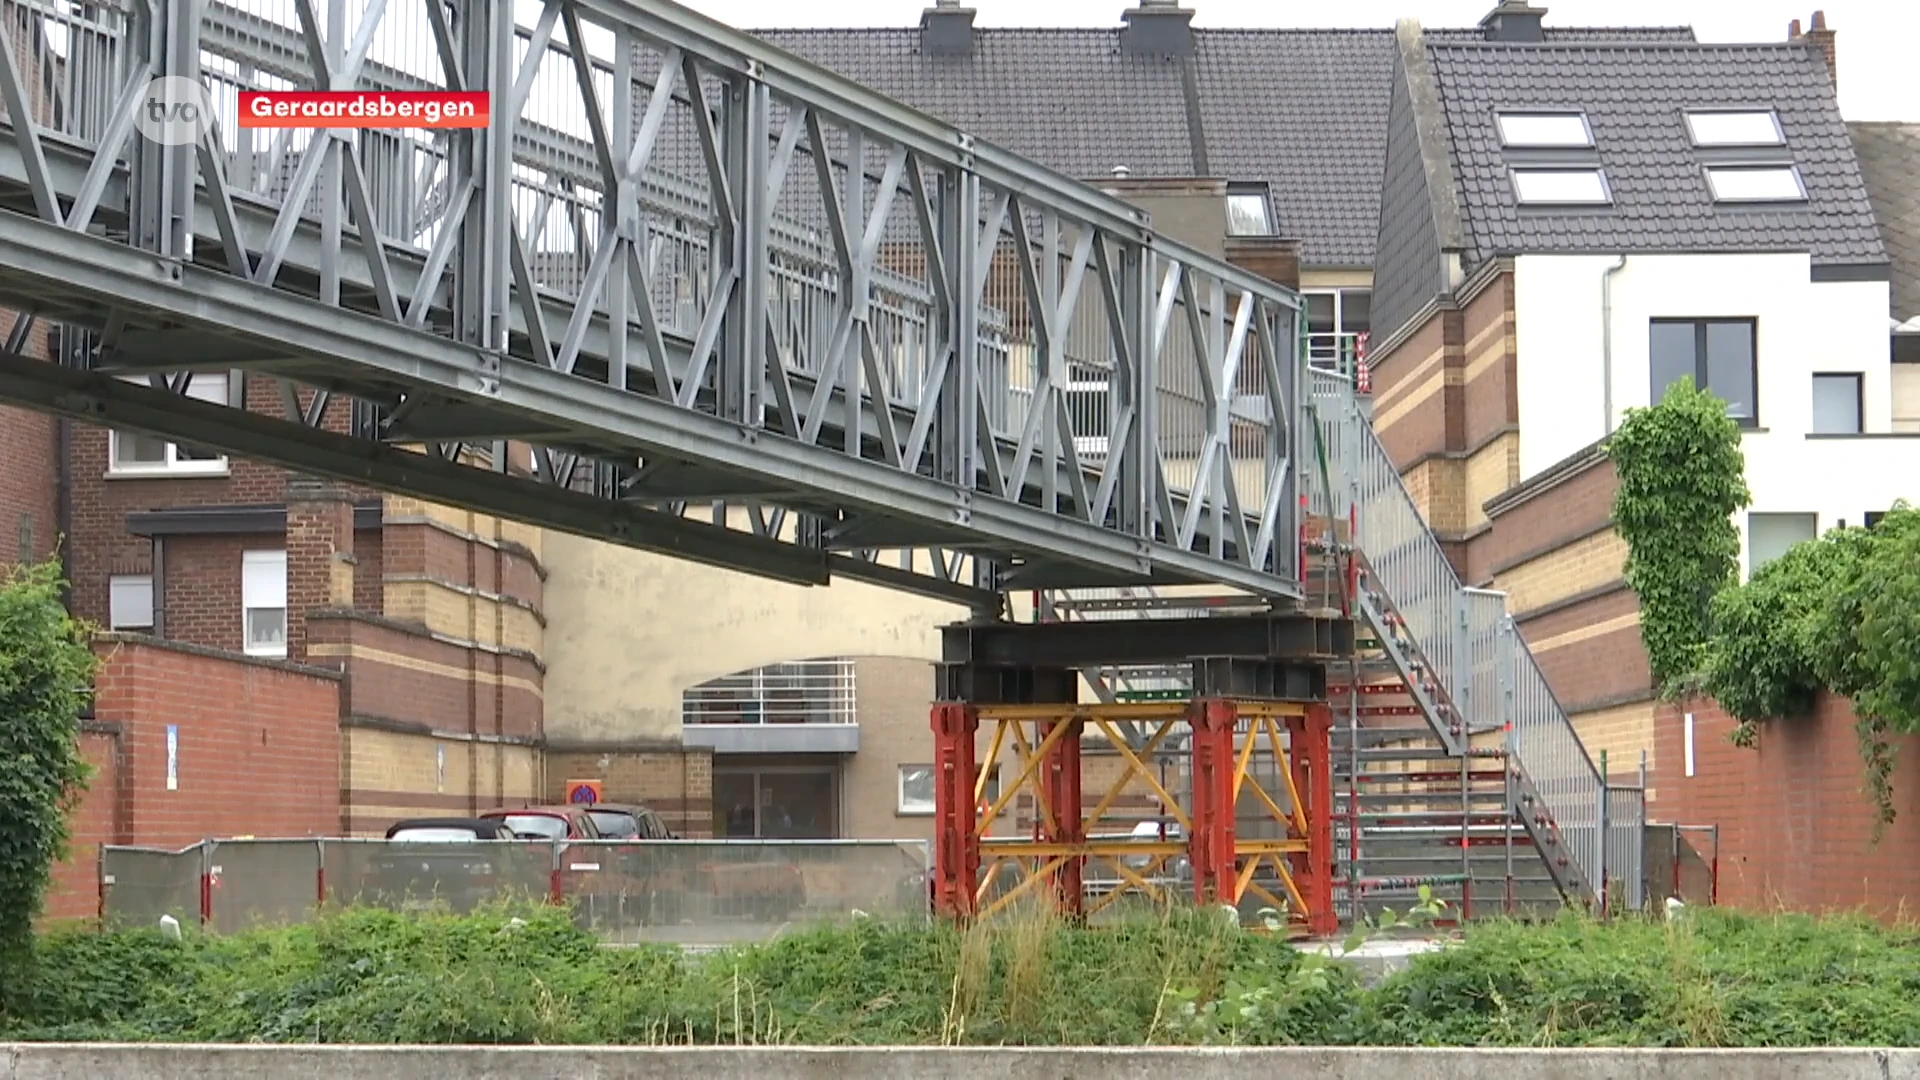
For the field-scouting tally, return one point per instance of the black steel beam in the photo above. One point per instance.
(211, 520)
(1273, 636)
(111, 402)
(1269, 680)
(979, 684)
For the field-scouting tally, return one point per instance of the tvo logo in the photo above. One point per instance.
(174, 111)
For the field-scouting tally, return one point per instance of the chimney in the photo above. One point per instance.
(1157, 28)
(1821, 39)
(946, 29)
(1514, 21)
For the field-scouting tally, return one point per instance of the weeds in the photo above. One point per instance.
(1179, 977)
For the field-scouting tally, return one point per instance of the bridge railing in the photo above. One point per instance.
(780, 247)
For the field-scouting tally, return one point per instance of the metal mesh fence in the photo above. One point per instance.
(712, 892)
(457, 876)
(139, 885)
(261, 883)
(686, 891)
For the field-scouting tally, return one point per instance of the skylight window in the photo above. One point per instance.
(1735, 128)
(1561, 187)
(1545, 129)
(1755, 183)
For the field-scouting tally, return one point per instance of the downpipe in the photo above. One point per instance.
(1606, 344)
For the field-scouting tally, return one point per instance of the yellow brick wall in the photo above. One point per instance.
(1580, 566)
(1623, 732)
(392, 763)
(1491, 471)
(1438, 488)
(465, 616)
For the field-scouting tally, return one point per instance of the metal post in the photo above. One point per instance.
(1503, 662)
(1606, 789)
(956, 836)
(1062, 769)
(1210, 848)
(1322, 919)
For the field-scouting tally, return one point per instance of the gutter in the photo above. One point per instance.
(1606, 344)
(63, 486)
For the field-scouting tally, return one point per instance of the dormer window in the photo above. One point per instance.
(1249, 210)
(1732, 128)
(1558, 130)
(1561, 187)
(1755, 183)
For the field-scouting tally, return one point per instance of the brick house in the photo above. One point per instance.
(1562, 237)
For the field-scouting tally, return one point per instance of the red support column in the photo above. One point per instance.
(1210, 846)
(1322, 920)
(956, 831)
(1062, 767)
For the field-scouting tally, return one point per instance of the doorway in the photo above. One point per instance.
(776, 802)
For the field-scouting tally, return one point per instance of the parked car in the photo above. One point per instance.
(431, 860)
(590, 876)
(618, 821)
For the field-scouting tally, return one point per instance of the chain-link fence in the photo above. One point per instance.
(685, 891)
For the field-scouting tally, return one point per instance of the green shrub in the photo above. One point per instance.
(1713, 978)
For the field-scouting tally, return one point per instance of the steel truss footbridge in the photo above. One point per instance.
(685, 292)
(690, 294)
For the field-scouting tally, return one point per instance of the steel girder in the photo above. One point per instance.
(851, 319)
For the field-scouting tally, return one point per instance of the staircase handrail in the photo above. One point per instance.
(1416, 575)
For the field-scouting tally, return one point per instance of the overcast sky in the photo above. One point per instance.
(1879, 40)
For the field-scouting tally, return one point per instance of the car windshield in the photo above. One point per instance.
(543, 826)
(616, 824)
(440, 834)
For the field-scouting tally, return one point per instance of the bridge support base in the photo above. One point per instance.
(1222, 795)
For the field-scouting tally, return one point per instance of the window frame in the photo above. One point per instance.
(171, 464)
(1599, 172)
(900, 807)
(1859, 380)
(1259, 193)
(114, 622)
(1792, 170)
(1693, 133)
(248, 646)
(1752, 563)
(1700, 324)
(1501, 116)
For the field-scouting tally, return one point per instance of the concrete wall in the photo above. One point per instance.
(84, 1062)
(628, 631)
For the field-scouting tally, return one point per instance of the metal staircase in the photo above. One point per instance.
(1460, 770)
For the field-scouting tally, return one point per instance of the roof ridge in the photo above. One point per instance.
(1616, 43)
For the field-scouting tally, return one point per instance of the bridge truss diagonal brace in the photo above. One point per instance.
(44, 258)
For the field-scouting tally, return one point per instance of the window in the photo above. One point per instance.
(1562, 187)
(1545, 129)
(263, 602)
(131, 452)
(1836, 404)
(1717, 355)
(130, 602)
(1734, 129)
(1770, 535)
(1755, 183)
(1249, 211)
(1335, 320)
(916, 788)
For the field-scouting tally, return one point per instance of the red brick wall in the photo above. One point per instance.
(28, 506)
(259, 743)
(1795, 822)
(75, 892)
(203, 575)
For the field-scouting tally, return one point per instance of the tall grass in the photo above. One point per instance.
(1178, 977)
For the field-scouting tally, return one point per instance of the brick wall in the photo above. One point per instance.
(1795, 824)
(29, 510)
(675, 781)
(75, 891)
(257, 753)
(258, 742)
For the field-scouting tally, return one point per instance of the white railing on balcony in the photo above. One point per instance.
(796, 692)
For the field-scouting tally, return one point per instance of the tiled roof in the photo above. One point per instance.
(1890, 162)
(1633, 95)
(1305, 110)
